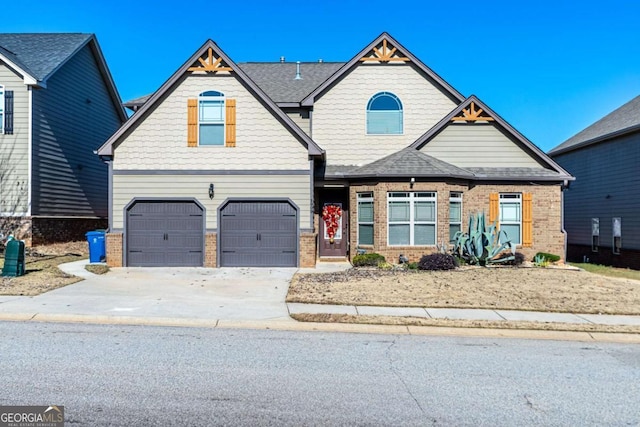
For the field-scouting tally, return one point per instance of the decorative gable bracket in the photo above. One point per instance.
(383, 53)
(209, 64)
(472, 115)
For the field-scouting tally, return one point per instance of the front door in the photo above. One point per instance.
(334, 223)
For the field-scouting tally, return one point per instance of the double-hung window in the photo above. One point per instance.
(617, 235)
(412, 218)
(211, 115)
(365, 218)
(511, 216)
(595, 234)
(455, 214)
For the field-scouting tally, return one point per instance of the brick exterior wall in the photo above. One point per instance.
(308, 250)
(41, 231)
(114, 249)
(210, 250)
(547, 234)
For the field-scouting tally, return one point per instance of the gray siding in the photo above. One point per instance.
(72, 117)
(607, 185)
(14, 149)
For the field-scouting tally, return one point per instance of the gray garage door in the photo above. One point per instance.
(165, 233)
(258, 234)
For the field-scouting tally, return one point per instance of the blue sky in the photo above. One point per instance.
(550, 68)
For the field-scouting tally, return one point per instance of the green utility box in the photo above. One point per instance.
(14, 259)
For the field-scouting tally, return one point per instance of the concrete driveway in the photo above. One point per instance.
(202, 293)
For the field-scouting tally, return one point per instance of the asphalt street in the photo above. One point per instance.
(148, 376)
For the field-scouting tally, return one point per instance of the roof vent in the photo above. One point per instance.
(298, 76)
(282, 59)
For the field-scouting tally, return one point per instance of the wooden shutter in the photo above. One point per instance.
(8, 112)
(230, 139)
(527, 220)
(192, 123)
(494, 210)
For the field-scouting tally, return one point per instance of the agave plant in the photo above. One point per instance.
(482, 244)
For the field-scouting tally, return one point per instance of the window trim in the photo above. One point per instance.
(365, 197)
(204, 97)
(368, 109)
(412, 198)
(455, 197)
(511, 196)
(2, 112)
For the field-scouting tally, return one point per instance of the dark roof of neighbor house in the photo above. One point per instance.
(620, 121)
(40, 54)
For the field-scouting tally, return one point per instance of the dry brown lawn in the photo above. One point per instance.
(41, 269)
(535, 289)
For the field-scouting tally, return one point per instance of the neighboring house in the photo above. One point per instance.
(601, 207)
(58, 104)
(282, 164)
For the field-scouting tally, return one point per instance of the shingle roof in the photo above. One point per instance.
(622, 120)
(515, 173)
(409, 162)
(41, 53)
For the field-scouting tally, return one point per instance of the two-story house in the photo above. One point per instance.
(284, 164)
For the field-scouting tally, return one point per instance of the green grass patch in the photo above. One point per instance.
(605, 270)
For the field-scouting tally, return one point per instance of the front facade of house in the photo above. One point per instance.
(58, 104)
(601, 207)
(283, 164)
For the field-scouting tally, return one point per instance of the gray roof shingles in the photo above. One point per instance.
(624, 118)
(41, 53)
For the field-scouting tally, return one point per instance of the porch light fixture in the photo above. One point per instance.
(411, 182)
(211, 191)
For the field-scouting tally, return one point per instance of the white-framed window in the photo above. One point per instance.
(411, 218)
(617, 235)
(1, 109)
(511, 216)
(384, 114)
(595, 234)
(455, 214)
(211, 118)
(365, 218)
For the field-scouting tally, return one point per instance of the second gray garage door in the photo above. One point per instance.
(258, 234)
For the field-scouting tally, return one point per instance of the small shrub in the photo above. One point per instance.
(517, 260)
(368, 260)
(437, 261)
(412, 265)
(384, 265)
(549, 258)
(540, 261)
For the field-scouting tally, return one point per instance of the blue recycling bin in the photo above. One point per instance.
(97, 250)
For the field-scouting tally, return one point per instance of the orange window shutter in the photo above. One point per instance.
(230, 139)
(527, 220)
(192, 123)
(493, 207)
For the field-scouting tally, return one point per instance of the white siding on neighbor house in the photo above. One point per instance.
(339, 116)
(159, 141)
(477, 145)
(295, 187)
(14, 149)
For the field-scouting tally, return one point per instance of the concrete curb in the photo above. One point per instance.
(327, 327)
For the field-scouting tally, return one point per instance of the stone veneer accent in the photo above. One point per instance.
(210, 250)
(308, 250)
(547, 234)
(113, 243)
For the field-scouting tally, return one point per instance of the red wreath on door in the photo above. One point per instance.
(331, 215)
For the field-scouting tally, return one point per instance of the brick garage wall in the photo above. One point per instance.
(114, 249)
(308, 249)
(54, 230)
(210, 250)
(547, 235)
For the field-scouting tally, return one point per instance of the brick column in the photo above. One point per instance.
(210, 250)
(114, 249)
(308, 250)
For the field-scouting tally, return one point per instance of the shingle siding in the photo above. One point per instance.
(339, 116)
(607, 185)
(72, 117)
(14, 149)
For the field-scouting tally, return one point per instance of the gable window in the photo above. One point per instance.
(511, 216)
(411, 218)
(617, 235)
(384, 114)
(365, 218)
(211, 118)
(595, 234)
(455, 214)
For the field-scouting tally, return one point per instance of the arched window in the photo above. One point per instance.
(211, 115)
(384, 114)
